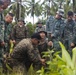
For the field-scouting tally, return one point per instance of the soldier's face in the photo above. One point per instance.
(57, 16)
(5, 5)
(20, 23)
(36, 41)
(40, 25)
(70, 18)
(42, 34)
(8, 19)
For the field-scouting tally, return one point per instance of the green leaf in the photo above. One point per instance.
(74, 57)
(66, 57)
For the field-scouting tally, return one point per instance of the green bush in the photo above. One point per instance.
(60, 65)
(56, 65)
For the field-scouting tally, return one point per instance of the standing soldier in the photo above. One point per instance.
(39, 27)
(3, 5)
(7, 31)
(49, 26)
(57, 33)
(19, 32)
(69, 31)
(1, 9)
(7, 35)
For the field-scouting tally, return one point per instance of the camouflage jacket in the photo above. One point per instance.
(69, 30)
(25, 51)
(42, 47)
(58, 29)
(49, 24)
(19, 32)
(1, 27)
(75, 29)
(7, 31)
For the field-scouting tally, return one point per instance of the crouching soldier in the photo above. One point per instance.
(25, 53)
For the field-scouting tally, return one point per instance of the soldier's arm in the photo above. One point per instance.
(35, 57)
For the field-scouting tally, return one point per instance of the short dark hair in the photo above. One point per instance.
(70, 13)
(37, 36)
(11, 14)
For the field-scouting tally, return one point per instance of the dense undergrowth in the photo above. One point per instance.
(56, 65)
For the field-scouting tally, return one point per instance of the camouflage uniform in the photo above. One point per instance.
(25, 53)
(1, 35)
(69, 32)
(42, 47)
(1, 27)
(57, 34)
(7, 36)
(49, 26)
(19, 33)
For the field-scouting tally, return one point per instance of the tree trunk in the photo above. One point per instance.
(17, 12)
(74, 6)
(20, 10)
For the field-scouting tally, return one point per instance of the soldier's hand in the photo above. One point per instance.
(14, 42)
(72, 45)
(50, 43)
(42, 61)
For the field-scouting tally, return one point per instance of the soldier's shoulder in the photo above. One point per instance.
(26, 41)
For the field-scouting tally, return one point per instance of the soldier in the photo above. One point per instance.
(3, 5)
(19, 32)
(39, 27)
(7, 31)
(49, 26)
(25, 52)
(43, 43)
(6, 3)
(7, 28)
(57, 34)
(69, 31)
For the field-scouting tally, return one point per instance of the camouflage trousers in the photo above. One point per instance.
(67, 44)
